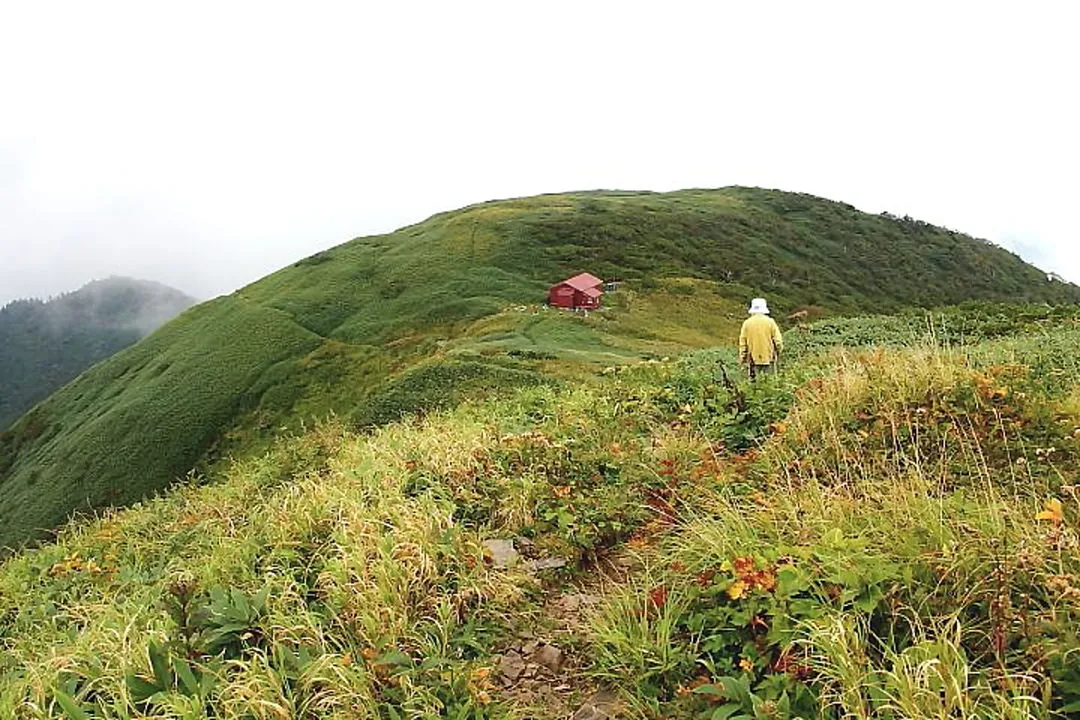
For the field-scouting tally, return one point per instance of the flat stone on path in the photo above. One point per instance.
(511, 666)
(546, 564)
(503, 554)
(603, 705)
(548, 656)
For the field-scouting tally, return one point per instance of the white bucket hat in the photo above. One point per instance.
(758, 307)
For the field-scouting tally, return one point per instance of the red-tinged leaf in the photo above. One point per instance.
(743, 566)
(658, 597)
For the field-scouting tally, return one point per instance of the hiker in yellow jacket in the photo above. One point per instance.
(760, 341)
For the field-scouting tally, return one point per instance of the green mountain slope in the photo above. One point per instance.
(45, 344)
(380, 326)
(867, 534)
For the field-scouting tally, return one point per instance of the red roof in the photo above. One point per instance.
(583, 282)
(592, 292)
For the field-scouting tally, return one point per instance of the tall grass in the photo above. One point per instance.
(888, 549)
(895, 538)
(932, 677)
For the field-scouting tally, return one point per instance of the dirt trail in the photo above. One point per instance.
(542, 672)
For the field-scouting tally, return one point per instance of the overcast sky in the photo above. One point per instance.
(206, 144)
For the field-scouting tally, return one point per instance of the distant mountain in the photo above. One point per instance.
(45, 344)
(451, 308)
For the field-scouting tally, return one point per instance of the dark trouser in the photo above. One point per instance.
(756, 370)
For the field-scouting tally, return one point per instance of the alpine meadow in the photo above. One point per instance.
(388, 482)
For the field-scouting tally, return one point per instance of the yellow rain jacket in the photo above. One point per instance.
(760, 340)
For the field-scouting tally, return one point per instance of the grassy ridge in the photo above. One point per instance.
(321, 336)
(874, 533)
(148, 412)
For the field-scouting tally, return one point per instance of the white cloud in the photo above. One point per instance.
(206, 144)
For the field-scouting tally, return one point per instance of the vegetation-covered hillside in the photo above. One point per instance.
(45, 344)
(448, 308)
(886, 529)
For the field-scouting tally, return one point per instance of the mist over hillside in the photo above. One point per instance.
(46, 343)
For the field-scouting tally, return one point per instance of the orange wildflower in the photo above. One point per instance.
(736, 590)
(1053, 512)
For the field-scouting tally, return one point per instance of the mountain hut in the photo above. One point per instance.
(579, 292)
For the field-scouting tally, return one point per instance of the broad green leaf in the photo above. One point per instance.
(231, 628)
(159, 661)
(240, 603)
(867, 603)
(259, 600)
(141, 690)
(789, 581)
(217, 597)
(783, 705)
(737, 688)
(69, 706)
(725, 711)
(206, 683)
(395, 658)
(187, 678)
(710, 690)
